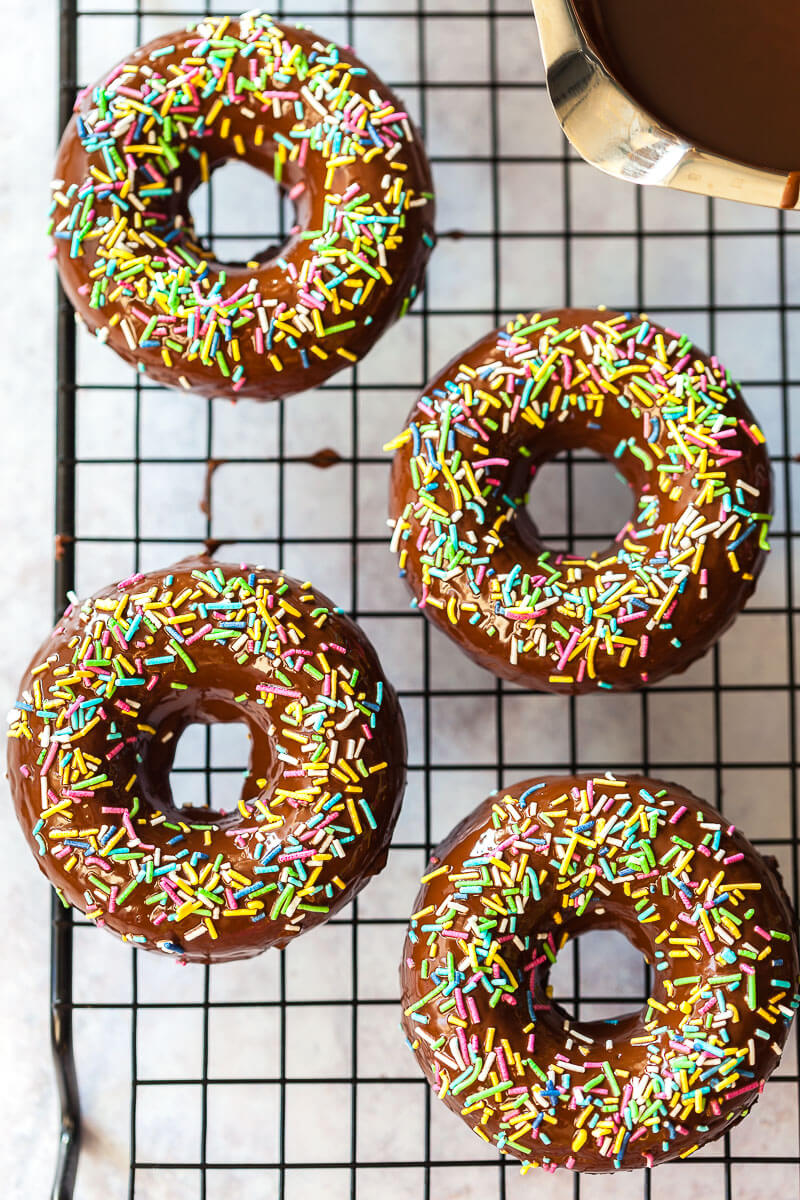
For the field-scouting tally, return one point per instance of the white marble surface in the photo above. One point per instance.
(27, 1105)
(390, 1118)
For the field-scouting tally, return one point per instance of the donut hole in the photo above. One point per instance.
(209, 765)
(600, 975)
(578, 503)
(241, 214)
(200, 753)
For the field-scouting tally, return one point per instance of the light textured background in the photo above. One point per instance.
(460, 735)
(27, 1108)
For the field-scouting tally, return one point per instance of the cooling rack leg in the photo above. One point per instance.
(61, 918)
(63, 1056)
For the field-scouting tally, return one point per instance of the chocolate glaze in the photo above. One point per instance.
(477, 917)
(721, 74)
(507, 539)
(273, 280)
(133, 744)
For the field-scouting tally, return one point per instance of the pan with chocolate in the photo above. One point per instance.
(709, 70)
(672, 422)
(552, 858)
(308, 113)
(696, 95)
(93, 736)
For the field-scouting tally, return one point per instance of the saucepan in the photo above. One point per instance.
(613, 132)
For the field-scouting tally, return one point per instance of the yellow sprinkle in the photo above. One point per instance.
(432, 874)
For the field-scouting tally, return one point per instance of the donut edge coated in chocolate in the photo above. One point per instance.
(319, 803)
(295, 318)
(528, 618)
(532, 845)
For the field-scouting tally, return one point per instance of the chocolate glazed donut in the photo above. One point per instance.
(545, 861)
(673, 424)
(93, 737)
(307, 112)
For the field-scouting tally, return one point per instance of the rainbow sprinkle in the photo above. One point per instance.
(532, 867)
(689, 448)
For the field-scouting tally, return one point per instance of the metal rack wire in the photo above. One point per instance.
(728, 728)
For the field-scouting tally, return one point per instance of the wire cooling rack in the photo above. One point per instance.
(285, 1077)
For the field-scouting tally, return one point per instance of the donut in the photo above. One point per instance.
(309, 113)
(673, 424)
(93, 737)
(543, 862)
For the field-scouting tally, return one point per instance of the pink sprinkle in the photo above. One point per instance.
(636, 616)
(93, 860)
(199, 633)
(134, 840)
(478, 429)
(501, 1063)
(170, 890)
(462, 1041)
(740, 1091)
(51, 753)
(706, 943)
(562, 662)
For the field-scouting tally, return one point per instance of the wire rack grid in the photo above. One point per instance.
(283, 1076)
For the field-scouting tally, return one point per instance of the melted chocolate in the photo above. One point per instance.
(721, 73)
